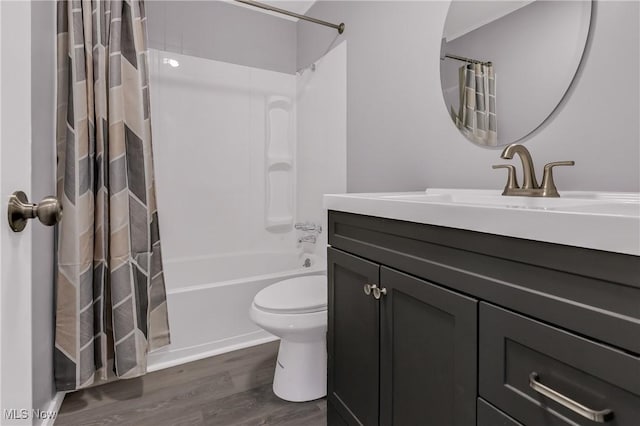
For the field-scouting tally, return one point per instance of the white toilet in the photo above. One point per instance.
(296, 311)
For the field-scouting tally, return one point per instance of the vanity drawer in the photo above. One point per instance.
(517, 353)
(488, 415)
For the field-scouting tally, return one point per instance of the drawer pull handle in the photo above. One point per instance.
(593, 415)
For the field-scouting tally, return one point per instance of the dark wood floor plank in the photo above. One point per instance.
(181, 400)
(259, 406)
(230, 389)
(259, 360)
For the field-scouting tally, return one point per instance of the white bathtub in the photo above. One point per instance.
(209, 300)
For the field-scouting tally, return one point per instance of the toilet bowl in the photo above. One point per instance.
(296, 311)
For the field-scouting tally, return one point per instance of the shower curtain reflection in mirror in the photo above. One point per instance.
(476, 117)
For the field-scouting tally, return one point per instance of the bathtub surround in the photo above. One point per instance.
(322, 138)
(398, 121)
(257, 149)
(111, 304)
(219, 112)
(236, 131)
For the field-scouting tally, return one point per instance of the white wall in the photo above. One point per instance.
(322, 138)
(222, 31)
(210, 122)
(400, 136)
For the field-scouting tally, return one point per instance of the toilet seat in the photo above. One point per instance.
(300, 295)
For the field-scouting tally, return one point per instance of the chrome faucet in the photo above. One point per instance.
(528, 172)
(530, 187)
(310, 229)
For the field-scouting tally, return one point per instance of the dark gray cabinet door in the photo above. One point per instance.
(428, 362)
(353, 340)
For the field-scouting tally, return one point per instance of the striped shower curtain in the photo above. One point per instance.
(477, 115)
(111, 305)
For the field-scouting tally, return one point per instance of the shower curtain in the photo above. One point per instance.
(111, 305)
(477, 116)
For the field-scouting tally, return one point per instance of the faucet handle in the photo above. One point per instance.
(308, 227)
(512, 181)
(548, 186)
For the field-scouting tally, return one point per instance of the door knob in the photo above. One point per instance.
(48, 211)
(367, 288)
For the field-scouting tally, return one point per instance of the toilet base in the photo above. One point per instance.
(301, 370)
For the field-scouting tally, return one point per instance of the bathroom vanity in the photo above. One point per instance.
(467, 308)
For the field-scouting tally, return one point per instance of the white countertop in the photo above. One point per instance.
(596, 220)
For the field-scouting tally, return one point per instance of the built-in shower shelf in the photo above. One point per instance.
(279, 162)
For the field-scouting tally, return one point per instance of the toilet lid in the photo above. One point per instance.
(294, 296)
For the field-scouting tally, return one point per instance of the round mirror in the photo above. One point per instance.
(506, 65)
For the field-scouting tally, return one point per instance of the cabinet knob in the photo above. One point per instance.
(367, 288)
(378, 292)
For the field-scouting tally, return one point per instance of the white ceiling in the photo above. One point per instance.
(297, 6)
(466, 16)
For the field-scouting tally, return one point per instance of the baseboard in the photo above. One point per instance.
(54, 407)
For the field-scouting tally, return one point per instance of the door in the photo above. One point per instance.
(15, 248)
(428, 361)
(353, 341)
(27, 143)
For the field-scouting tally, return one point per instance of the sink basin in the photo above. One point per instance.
(605, 203)
(597, 220)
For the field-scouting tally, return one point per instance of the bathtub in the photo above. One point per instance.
(209, 300)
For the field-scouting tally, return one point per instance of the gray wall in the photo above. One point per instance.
(42, 184)
(224, 32)
(399, 133)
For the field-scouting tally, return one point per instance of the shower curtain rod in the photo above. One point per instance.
(339, 27)
(463, 59)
